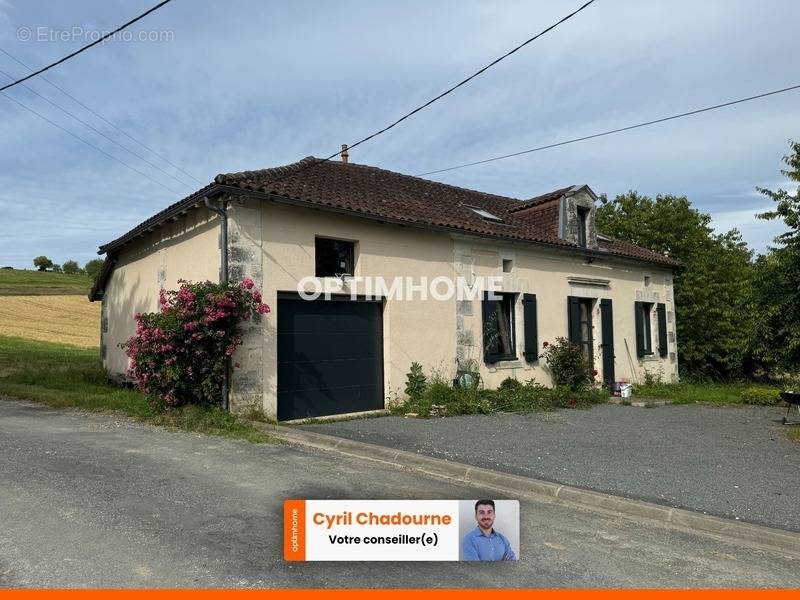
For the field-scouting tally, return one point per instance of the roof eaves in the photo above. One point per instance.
(156, 220)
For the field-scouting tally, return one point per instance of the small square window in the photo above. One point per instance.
(508, 265)
(647, 281)
(334, 257)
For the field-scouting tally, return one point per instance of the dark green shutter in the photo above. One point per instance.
(607, 339)
(574, 319)
(661, 309)
(531, 327)
(638, 309)
(489, 309)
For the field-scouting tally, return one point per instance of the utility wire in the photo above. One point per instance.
(87, 46)
(80, 139)
(97, 131)
(604, 133)
(443, 94)
(106, 121)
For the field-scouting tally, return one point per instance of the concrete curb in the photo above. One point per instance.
(513, 485)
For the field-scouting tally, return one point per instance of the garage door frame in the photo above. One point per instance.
(291, 413)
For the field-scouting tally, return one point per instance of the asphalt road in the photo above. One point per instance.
(733, 462)
(98, 500)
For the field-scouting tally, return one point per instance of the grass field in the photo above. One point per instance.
(15, 282)
(61, 319)
(61, 376)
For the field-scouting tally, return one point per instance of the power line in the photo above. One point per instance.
(446, 92)
(604, 133)
(97, 131)
(87, 46)
(80, 139)
(106, 121)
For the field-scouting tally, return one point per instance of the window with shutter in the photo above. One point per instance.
(498, 327)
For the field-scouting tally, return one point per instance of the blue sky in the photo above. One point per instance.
(243, 84)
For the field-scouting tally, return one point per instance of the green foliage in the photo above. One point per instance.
(765, 396)
(93, 267)
(787, 206)
(512, 396)
(713, 304)
(692, 392)
(70, 267)
(42, 263)
(416, 382)
(776, 286)
(179, 355)
(64, 376)
(56, 268)
(567, 364)
(776, 293)
(509, 384)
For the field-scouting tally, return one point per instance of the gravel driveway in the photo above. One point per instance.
(96, 500)
(734, 462)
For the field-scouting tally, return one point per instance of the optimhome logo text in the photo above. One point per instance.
(399, 288)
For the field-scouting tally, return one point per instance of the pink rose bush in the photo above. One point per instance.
(179, 355)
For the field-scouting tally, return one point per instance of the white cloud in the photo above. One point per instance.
(299, 79)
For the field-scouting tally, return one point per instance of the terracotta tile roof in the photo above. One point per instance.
(381, 194)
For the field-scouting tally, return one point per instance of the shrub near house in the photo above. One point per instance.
(179, 355)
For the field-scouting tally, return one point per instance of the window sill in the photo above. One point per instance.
(512, 362)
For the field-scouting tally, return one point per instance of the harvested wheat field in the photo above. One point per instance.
(64, 319)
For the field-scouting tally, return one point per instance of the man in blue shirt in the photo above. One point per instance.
(483, 542)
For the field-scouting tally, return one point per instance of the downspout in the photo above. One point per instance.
(223, 215)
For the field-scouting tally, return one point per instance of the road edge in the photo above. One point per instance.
(754, 535)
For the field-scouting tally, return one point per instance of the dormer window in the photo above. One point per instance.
(485, 215)
(583, 224)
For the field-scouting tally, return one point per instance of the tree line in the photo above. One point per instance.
(738, 314)
(70, 267)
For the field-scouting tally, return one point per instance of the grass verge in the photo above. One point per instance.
(68, 376)
(691, 393)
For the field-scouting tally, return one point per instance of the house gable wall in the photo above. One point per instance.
(184, 249)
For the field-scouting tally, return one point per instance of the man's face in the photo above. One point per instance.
(485, 516)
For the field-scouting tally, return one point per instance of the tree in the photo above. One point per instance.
(42, 263)
(93, 268)
(776, 287)
(788, 206)
(70, 267)
(56, 268)
(713, 304)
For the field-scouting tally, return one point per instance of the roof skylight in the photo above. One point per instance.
(485, 214)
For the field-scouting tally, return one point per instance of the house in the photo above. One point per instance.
(332, 226)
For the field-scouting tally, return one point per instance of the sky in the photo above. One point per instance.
(217, 87)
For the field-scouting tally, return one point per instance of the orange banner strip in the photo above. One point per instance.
(294, 530)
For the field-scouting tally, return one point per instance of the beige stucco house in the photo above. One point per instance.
(361, 234)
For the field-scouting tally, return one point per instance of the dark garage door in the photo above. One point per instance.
(330, 357)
